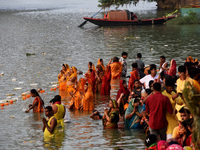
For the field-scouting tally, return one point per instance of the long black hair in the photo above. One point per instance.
(34, 91)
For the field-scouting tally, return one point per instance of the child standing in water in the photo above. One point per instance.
(124, 64)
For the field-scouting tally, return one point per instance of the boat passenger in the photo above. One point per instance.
(88, 99)
(59, 110)
(124, 64)
(111, 116)
(38, 103)
(49, 124)
(133, 16)
(116, 68)
(133, 114)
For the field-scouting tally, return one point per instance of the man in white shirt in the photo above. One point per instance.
(153, 76)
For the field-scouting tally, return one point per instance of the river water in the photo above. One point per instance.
(49, 29)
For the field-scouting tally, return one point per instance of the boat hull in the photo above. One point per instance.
(195, 6)
(106, 22)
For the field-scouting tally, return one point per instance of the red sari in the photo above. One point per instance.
(172, 69)
(105, 87)
(134, 76)
(39, 107)
(122, 90)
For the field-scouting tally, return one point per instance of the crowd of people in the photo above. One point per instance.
(151, 99)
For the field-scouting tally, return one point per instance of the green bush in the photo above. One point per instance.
(190, 19)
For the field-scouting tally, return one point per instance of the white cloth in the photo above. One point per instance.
(145, 80)
(161, 69)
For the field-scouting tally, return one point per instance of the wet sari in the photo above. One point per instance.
(105, 87)
(76, 98)
(91, 79)
(134, 76)
(99, 63)
(116, 70)
(81, 83)
(172, 68)
(39, 108)
(62, 80)
(70, 88)
(122, 90)
(131, 122)
(100, 74)
(88, 99)
(114, 117)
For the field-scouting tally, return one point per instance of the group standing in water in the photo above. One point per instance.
(150, 101)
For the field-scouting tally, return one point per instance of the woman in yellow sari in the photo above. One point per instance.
(88, 99)
(116, 68)
(100, 62)
(72, 80)
(63, 77)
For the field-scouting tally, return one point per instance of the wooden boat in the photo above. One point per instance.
(195, 6)
(123, 18)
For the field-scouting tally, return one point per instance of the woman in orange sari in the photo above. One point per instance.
(116, 68)
(72, 80)
(100, 62)
(38, 103)
(63, 77)
(76, 97)
(88, 99)
(82, 82)
(99, 76)
(105, 87)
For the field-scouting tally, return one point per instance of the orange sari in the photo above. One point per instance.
(196, 85)
(76, 98)
(116, 70)
(134, 76)
(91, 79)
(39, 108)
(70, 88)
(81, 83)
(99, 63)
(62, 80)
(88, 99)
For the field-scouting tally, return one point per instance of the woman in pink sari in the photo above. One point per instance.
(172, 68)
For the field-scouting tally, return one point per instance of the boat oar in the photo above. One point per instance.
(86, 20)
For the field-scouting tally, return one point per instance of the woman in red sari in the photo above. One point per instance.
(134, 76)
(90, 77)
(123, 89)
(38, 103)
(172, 68)
(105, 87)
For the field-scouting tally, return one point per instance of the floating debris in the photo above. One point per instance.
(13, 80)
(18, 88)
(29, 54)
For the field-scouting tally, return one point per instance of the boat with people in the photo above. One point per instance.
(125, 18)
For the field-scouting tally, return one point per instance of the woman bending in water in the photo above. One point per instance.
(38, 103)
(111, 117)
